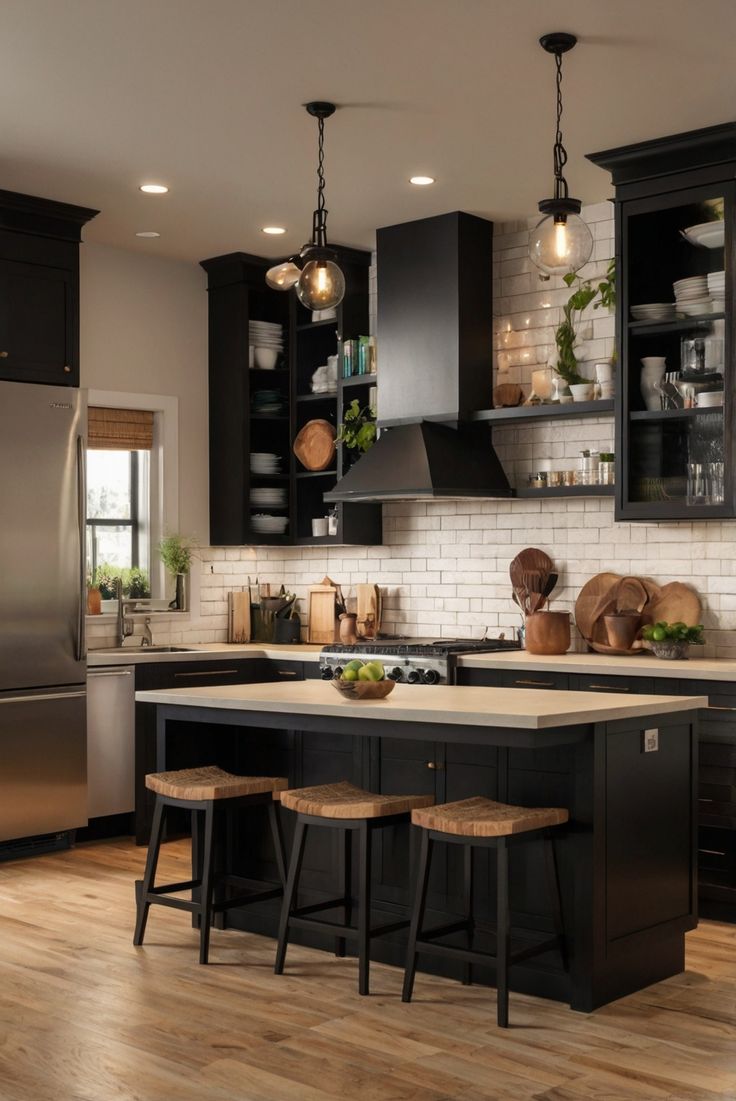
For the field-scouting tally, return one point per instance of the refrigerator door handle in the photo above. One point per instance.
(40, 697)
(81, 652)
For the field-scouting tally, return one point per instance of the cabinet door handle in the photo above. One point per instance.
(537, 683)
(437, 766)
(207, 673)
(286, 673)
(607, 688)
(108, 673)
(701, 800)
(711, 852)
(67, 369)
(716, 707)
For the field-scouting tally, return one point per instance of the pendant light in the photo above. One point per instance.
(314, 273)
(561, 242)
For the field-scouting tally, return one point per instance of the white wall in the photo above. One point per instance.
(143, 329)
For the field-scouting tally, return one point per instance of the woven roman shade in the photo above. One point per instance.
(119, 429)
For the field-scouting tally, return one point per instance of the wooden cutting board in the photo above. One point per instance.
(677, 603)
(368, 622)
(323, 622)
(595, 599)
(239, 625)
(314, 445)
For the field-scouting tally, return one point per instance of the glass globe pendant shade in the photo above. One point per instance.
(321, 285)
(282, 277)
(560, 243)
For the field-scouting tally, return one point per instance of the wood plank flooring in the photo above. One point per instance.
(84, 1016)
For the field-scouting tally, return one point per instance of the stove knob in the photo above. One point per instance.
(326, 673)
(415, 677)
(431, 676)
(337, 672)
(395, 674)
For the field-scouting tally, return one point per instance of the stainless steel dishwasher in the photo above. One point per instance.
(110, 740)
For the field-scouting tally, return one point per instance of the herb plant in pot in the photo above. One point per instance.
(603, 295)
(175, 551)
(358, 429)
(672, 640)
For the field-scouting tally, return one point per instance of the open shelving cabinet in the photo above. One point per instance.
(237, 294)
(673, 464)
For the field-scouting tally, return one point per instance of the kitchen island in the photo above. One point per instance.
(624, 767)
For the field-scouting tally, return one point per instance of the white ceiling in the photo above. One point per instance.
(97, 96)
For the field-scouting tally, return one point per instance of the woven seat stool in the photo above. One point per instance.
(474, 823)
(343, 807)
(211, 795)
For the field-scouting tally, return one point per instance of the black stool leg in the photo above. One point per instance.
(417, 917)
(502, 932)
(553, 882)
(468, 901)
(278, 840)
(207, 881)
(346, 878)
(364, 908)
(197, 857)
(292, 882)
(143, 887)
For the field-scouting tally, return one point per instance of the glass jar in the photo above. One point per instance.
(606, 466)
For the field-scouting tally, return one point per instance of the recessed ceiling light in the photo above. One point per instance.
(422, 181)
(154, 189)
(148, 233)
(275, 231)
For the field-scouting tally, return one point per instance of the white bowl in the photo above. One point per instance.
(266, 358)
(707, 234)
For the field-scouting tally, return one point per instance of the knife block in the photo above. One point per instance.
(323, 622)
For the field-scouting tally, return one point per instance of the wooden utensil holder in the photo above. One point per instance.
(548, 633)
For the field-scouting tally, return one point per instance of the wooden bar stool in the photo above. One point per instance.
(344, 807)
(212, 796)
(476, 823)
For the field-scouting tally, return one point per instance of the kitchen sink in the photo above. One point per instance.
(146, 650)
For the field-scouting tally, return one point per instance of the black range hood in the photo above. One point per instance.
(435, 339)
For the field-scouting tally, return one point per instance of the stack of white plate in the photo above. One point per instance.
(268, 496)
(266, 334)
(717, 290)
(707, 234)
(691, 296)
(265, 524)
(654, 311)
(263, 462)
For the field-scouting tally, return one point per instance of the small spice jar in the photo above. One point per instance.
(606, 469)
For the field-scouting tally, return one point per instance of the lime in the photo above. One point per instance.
(350, 674)
(659, 634)
(355, 664)
(372, 670)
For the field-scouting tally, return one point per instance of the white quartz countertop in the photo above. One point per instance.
(646, 665)
(440, 704)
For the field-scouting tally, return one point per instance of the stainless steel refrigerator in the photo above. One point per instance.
(42, 607)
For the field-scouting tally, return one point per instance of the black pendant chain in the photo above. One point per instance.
(319, 220)
(560, 153)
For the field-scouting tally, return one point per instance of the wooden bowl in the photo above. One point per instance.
(364, 689)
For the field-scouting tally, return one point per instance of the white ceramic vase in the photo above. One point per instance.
(652, 373)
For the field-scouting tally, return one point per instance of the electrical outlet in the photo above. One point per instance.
(651, 741)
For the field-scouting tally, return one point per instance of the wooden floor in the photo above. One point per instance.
(84, 1016)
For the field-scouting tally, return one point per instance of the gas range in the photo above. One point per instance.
(410, 660)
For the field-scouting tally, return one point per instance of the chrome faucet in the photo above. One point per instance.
(125, 625)
(147, 637)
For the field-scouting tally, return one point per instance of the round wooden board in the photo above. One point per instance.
(676, 603)
(314, 446)
(603, 648)
(594, 596)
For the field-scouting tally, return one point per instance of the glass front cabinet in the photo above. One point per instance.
(674, 328)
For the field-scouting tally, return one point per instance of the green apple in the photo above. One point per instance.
(354, 665)
(350, 674)
(372, 670)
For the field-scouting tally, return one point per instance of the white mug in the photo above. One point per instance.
(604, 372)
(319, 525)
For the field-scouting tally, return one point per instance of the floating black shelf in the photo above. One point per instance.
(316, 474)
(521, 413)
(268, 477)
(566, 491)
(360, 380)
(319, 540)
(269, 416)
(331, 396)
(307, 326)
(673, 414)
(643, 328)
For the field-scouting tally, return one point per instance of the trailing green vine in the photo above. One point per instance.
(566, 331)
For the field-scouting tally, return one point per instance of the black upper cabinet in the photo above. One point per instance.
(676, 458)
(238, 294)
(39, 289)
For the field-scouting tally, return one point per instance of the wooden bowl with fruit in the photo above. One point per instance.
(363, 680)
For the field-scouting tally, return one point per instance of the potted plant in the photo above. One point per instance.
(566, 338)
(672, 640)
(175, 551)
(358, 429)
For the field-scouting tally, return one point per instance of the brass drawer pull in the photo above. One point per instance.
(717, 707)
(436, 766)
(711, 852)
(608, 688)
(286, 673)
(537, 683)
(207, 673)
(702, 800)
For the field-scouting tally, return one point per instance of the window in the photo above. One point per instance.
(118, 498)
